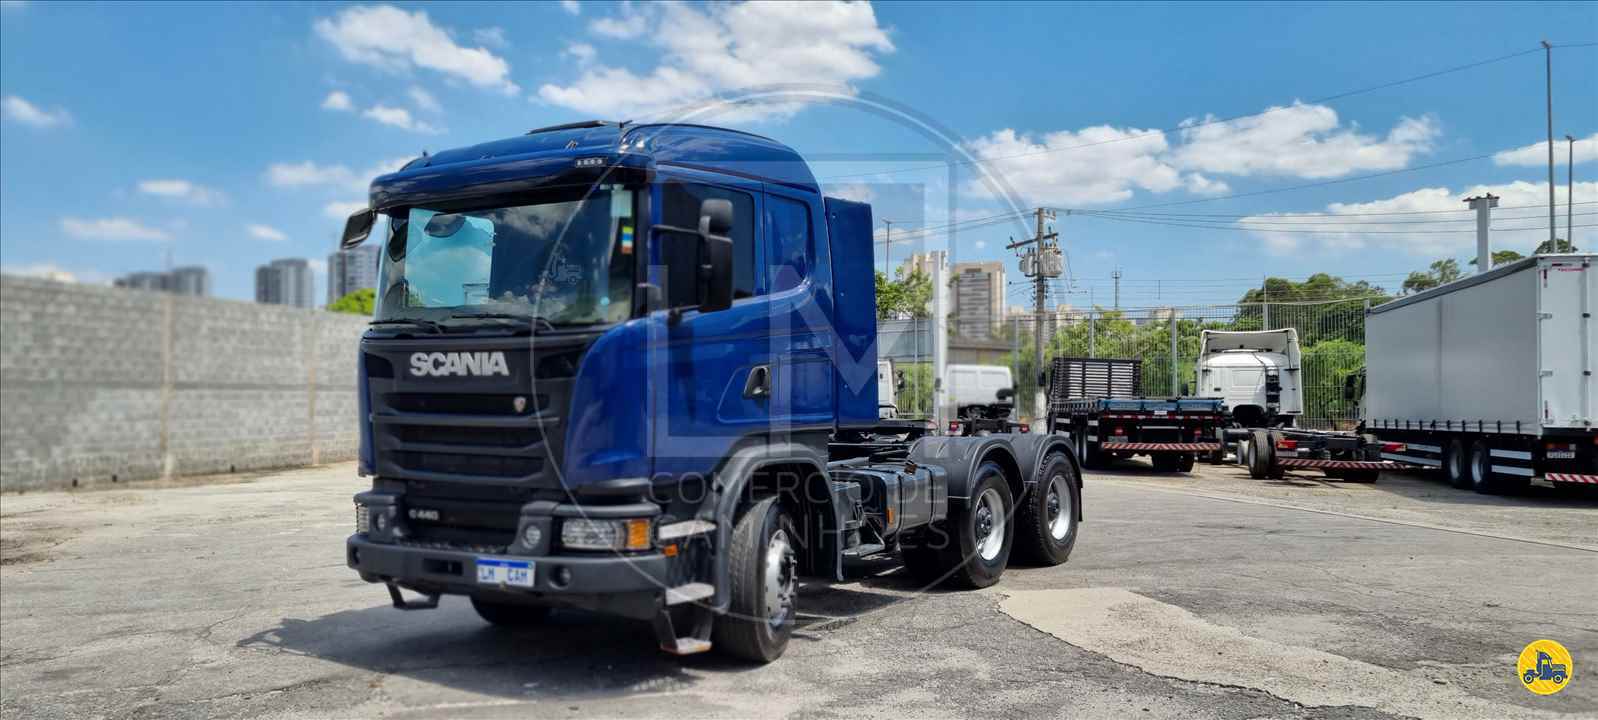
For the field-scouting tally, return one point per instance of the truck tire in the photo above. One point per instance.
(509, 614)
(1184, 463)
(1482, 478)
(1165, 462)
(982, 530)
(1273, 469)
(1259, 454)
(763, 585)
(1046, 522)
(1085, 453)
(1360, 476)
(1456, 463)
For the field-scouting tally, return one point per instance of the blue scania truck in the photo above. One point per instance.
(632, 369)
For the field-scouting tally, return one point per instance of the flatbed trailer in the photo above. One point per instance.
(1094, 400)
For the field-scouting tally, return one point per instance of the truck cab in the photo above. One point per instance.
(629, 368)
(1256, 374)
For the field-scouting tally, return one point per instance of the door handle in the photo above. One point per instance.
(759, 383)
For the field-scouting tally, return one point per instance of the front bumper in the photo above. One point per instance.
(450, 571)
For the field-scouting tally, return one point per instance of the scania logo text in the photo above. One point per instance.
(458, 364)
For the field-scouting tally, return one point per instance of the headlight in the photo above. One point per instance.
(363, 519)
(593, 534)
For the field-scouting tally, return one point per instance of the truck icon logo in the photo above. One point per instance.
(1545, 667)
(458, 364)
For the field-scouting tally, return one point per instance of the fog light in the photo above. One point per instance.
(563, 576)
(363, 519)
(380, 522)
(531, 536)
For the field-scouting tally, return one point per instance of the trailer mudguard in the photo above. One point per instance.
(732, 480)
(960, 456)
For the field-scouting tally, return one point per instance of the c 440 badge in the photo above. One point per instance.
(1545, 667)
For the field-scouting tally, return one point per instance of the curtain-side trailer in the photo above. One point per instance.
(1490, 378)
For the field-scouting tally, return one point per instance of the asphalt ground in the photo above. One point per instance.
(1187, 596)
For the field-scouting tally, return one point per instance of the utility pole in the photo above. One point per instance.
(1483, 206)
(1116, 275)
(1265, 303)
(1040, 268)
(1548, 53)
(1570, 190)
(887, 248)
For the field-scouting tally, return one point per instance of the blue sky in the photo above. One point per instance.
(232, 135)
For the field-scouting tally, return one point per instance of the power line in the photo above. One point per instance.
(1247, 228)
(1216, 121)
(1280, 220)
(1285, 213)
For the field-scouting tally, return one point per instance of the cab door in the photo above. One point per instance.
(709, 373)
(802, 340)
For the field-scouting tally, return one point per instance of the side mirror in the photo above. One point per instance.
(899, 383)
(715, 258)
(1005, 393)
(1186, 390)
(357, 227)
(1350, 390)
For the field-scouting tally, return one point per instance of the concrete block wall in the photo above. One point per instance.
(101, 385)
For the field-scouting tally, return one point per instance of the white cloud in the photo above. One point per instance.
(1091, 166)
(184, 190)
(1200, 185)
(1305, 141)
(112, 228)
(422, 99)
(583, 53)
(571, 6)
(338, 100)
(22, 111)
(400, 118)
(722, 49)
(493, 36)
(265, 232)
(387, 37)
(342, 210)
(1519, 224)
(310, 174)
(1536, 154)
(50, 271)
(858, 192)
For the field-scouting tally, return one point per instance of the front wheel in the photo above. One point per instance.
(1047, 520)
(763, 585)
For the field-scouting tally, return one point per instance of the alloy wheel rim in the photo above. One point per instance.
(1058, 506)
(990, 525)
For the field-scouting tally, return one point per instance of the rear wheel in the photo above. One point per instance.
(763, 585)
(981, 531)
(1360, 476)
(1085, 452)
(1046, 522)
(1455, 464)
(509, 614)
(1259, 455)
(1273, 469)
(1184, 463)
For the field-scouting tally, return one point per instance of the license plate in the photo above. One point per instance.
(494, 571)
(1561, 454)
(1113, 439)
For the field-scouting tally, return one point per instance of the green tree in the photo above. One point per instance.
(1325, 366)
(359, 302)
(1438, 273)
(904, 296)
(1556, 245)
(1501, 257)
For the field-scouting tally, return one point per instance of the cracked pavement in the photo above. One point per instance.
(1203, 596)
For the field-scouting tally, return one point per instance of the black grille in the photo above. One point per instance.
(466, 404)
(469, 436)
(464, 464)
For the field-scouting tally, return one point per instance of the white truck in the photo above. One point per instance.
(1257, 376)
(983, 399)
(1490, 378)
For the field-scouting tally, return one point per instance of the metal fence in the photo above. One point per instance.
(1166, 339)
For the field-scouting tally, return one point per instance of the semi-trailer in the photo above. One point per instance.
(1096, 402)
(1489, 378)
(630, 369)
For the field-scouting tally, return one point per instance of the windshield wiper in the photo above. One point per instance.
(536, 321)
(429, 324)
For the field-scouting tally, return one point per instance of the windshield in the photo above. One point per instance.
(566, 258)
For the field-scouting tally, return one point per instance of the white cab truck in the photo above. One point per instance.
(1490, 378)
(1258, 376)
(983, 397)
(887, 390)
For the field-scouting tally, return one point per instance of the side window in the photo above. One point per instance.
(680, 207)
(791, 244)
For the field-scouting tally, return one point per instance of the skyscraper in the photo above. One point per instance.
(978, 298)
(351, 270)
(287, 281)
(191, 280)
